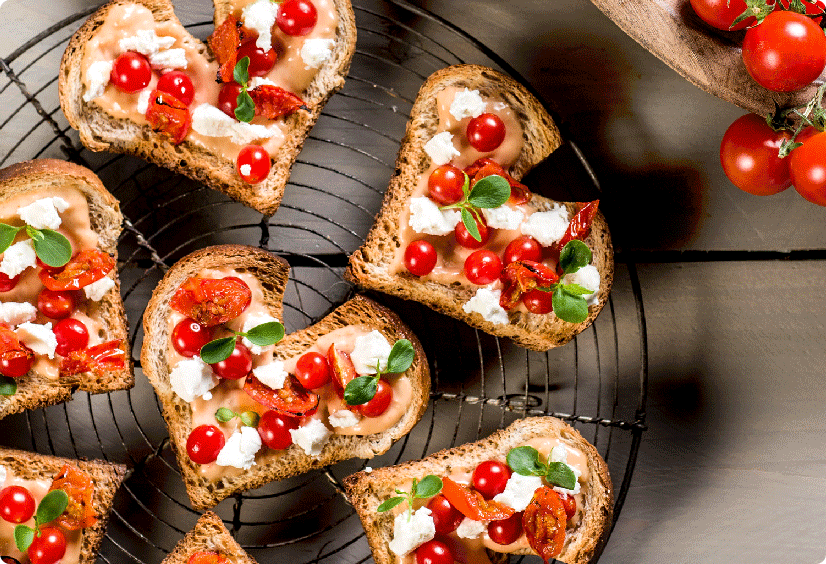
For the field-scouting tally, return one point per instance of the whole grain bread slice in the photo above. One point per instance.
(106, 476)
(35, 390)
(273, 273)
(101, 132)
(366, 491)
(369, 265)
(208, 535)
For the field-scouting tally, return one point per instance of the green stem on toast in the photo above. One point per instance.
(362, 389)
(248, 418)
(428, 487)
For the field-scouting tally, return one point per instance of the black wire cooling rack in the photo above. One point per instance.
(597, 382)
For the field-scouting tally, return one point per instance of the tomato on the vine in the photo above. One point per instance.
(749, 155)
(188, 336)
(212, 301)
(506, 531)
(261, 61)
(8, 284)
(445, 184)
(274, 429)
(71, 335)
(237, 365)
(16, 504)
(485, 132)
(808, 169)
(420, 257)
(523, 247)
(179, 85)
(812, 7)
(537, 301)
(55, 304)
(228, 98)
(204, 443)
(722, 13)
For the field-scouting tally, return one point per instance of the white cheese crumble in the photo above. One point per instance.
(271, 375)
(316, 51)
(192, 378)
(344, 418)
(467, 103)
(253, 321)
(368, 469)
(2, 474)
(370, 350)
(257, 81)
(260, 16)
(168, 60)
(239, 450)
(408, 534)
(15, 313)
(470, 529)
(96, 290)
(485, 302)
(97, 77)
(587, 277)
(311, 437)
(143, 100)
(503, 217)
(519, 491)
(212, 122)
(44, 213)
(426, 217)
(146, 42)
(547, 227)
(40, 338)
(560, 454)
(440, 148)
(18, 258)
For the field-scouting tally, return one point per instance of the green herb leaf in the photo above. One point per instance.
(7, 235)
(53, 248)
(361, 390)
(241, 71)
(466, 185)
(560, 474)
(51, 507)
(250, 418)
(245, 110)
(401, 357)
(34, 234)
(428, 487)
(524, 460)
(757, 8)
(575, 254)
(225, 414)
(23, 537)
(490, 192)
(218, 350)
(265, 334)
(573, 309)
(470, 224)
(389, 504)
(576, 290)
(8, 386)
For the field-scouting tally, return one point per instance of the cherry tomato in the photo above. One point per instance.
(211, 301)
(471, 503)
(343, 371)
(189, 336)
(465, 239)
(434, 552)
(168, 115)
(490, 478)
(16, 362)
(483, 267)
(55, 305)
(228, 98)
(445, 185)
(748, 154)
(204, 443)
(523, 247)
(16, 504)
(544, 522)
(131, 72)
(297, 17)
(78, 485)
(537, 301)
(8, 284)
(236, 365)
(507, 530)
(380, 402)
(253, 164)
(48, 547)
(85, 267)
(71, 335)
(261, 61)
(446, 517)
(292, 399)
(274, 429)
(179, 85)
(420, 257)
(786, 52)
(722, 13)
(485, 132)
(312, 370)
(208, 558)
(98, 359)
(808, 169)
(569, 503)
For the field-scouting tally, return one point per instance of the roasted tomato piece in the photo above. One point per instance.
(82, 269)
(343, 369)
(520, 194)
(167, 114)
(272, 102)
(207, 558)
(523, 276)
(473, 504)
(98, 359)
(212, 301)
(15, 358)
(224, 43)
(579, 227)
(292, 399)
(544, 523)
(78, 485)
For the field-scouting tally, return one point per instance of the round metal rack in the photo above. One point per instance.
(480, 383)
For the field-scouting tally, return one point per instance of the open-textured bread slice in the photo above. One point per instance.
(272, 273)
(371, 266)
(209, 535)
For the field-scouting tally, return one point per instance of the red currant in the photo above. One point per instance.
(506, 531)
(486, 132)
(465, 239)
(445, 185)
(54, 304)
(446, 518)
(253, 164)
(524, 247)
(274, 429)
(131, 72)
(434, 552)
(380, 402)
(236, 365)
(179, 85)
(420, 257)
(483, 267)
(261, 61)
(228, 98)
(189, 336)
(204, 443)
(48, 547)
(490, 478)
(7, 284)
(312, 370)
(71, 335)
(16, 504)
(297, 17)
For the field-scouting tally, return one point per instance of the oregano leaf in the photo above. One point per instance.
(8, 386)
(574, 255)
(51, 507)
(573, 309)
(23, 537)
(245, 108)
(428, 487)
(560, 474)
(250, 419)
(389, 504)
(7, 235)
(576, 290)
(361, 390)
(524, 460)
(266, 334)
(225, 414)
(241, 73)
(218, 350)
(401, 357)
(489, 192)
(470, 224)
(53, 248)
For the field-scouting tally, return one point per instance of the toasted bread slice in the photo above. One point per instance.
(370, 265)
(272, 272)
(99, 131)
(208, 535)
(43, 177)
(366, 491)
(106, 476)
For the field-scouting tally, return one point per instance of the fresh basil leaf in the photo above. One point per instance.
(361, 390)
(8, 386)
(560, 474)
(524, 460)
(225, 414)
(250, 418)
(266, 334)
(401, 357)
(470, 224)
(218, 350)
(428, 487)
(23, 537)
(576, 290)
(51, 507)
(53, 248)
(245, 110)
(241, 73)
(490, 192)
(575, 254)
(389, 504)
(7, 235)
(573, 309)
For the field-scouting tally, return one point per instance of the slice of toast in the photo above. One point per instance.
(366, 491)
(208, 535)
(42, 177)
(370, 265)
(101, 132)
(106, 476)
(272, 272)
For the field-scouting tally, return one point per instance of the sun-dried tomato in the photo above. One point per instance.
(208, 558)
(212, 301)
(472, 504)
(544, 522)
(273, 102)
(224, 43)
(98, 359)
(521, 277)
(82, 269)
(78, 485)
(167, 114)
(578, 228)
(520, 194)
(292, 399)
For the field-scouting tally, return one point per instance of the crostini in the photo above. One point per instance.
(209, 542)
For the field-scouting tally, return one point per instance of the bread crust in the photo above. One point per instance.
(208, 535)
(273, 273)
(101, 132)
(36, 390)
(365, 491)
(369, 265)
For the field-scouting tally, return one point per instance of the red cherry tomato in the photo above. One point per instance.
(490, 478)
(524, 247)
(208, 558)
(55, 305)
(16, 359)
(312, 370)
(8, 284)
(380, 402)
(748, 153)
(261, 61)
(473, 504)
(445, 185)
(85, 267)
(211, 301)
(297, 17)
(16, 504)
(434, 552)
(722, 13)
(808, 168)
(71, 335)
(483, 267)
(465, 239)
(569, 503)
(507, 530)
(189, 336)
(274, 429)
(786, 52)
(420, 257)
(253, 164)
(446, 517)
(228, 98)
(537, 301)
(485, 132)
(204, 443)
(131, 72)
(48, 547)
(236, 365)
(179, 85)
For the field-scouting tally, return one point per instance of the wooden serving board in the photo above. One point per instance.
(706, 57)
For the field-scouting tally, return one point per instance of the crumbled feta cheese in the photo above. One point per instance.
(15, 313)
(168, 60)
(485, 302)
(316, 51)
(143, 100)
(547, 227)
(370, 350)
(560, 454)
(470, 529)
(146, 42)
(440, 148)
(503, 217)
(467, 103)
(255, 320)
(40, 338)
(44, 213)
(239, 450)
(192, 378)
(271, 375)
(344, 418)
(96, 290)
(587, 277)
(408, 534)
(97, 77)
(245, 133)
(212, 122)
(2, 474)
(519, 491)
(18, 258)
(257, 81)
(311, 437)
(426, 217)
(260, 16)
